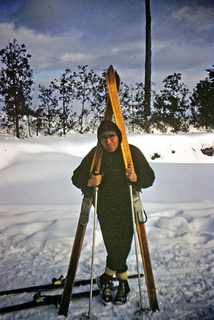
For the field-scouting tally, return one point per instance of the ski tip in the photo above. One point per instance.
(110, 76)
(110, 69)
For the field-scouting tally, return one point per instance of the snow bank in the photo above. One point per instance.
(39, 210)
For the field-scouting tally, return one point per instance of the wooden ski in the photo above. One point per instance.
(113, 94)
(82, 223)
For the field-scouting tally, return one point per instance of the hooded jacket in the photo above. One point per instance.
(112, 166)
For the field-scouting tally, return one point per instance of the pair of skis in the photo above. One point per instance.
(40, 299)
(112, 108)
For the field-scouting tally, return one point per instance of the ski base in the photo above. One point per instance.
(45, 300)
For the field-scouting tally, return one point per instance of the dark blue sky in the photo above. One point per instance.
(62, 34)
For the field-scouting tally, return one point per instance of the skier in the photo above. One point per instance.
(114, 205)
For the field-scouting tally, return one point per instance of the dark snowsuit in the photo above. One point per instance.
(114, 207)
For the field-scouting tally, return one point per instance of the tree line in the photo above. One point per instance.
(77, 101)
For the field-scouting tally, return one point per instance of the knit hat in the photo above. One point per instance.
(108, 127)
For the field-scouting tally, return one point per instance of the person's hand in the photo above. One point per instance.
(94, 180)
(130, 174)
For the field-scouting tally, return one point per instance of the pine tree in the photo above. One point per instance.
(171, 105)
(48, 108)
(202, 104)
(131, 101)
(66, 96)
(98, 100)
(16, 84)
(83, 87)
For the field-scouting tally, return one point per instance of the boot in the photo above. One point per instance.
(105, 284)
(122, 292)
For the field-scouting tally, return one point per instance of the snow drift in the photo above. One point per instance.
(39, 210)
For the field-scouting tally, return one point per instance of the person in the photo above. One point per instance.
(114, 204)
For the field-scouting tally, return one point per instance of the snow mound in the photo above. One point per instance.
(39, 211)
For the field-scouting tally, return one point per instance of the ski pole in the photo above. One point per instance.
(90, 315)
(135, 244)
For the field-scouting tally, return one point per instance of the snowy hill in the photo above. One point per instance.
(39, 210)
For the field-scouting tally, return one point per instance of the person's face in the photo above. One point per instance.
(110, 142)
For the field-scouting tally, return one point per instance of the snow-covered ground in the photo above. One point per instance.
(39, 210)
